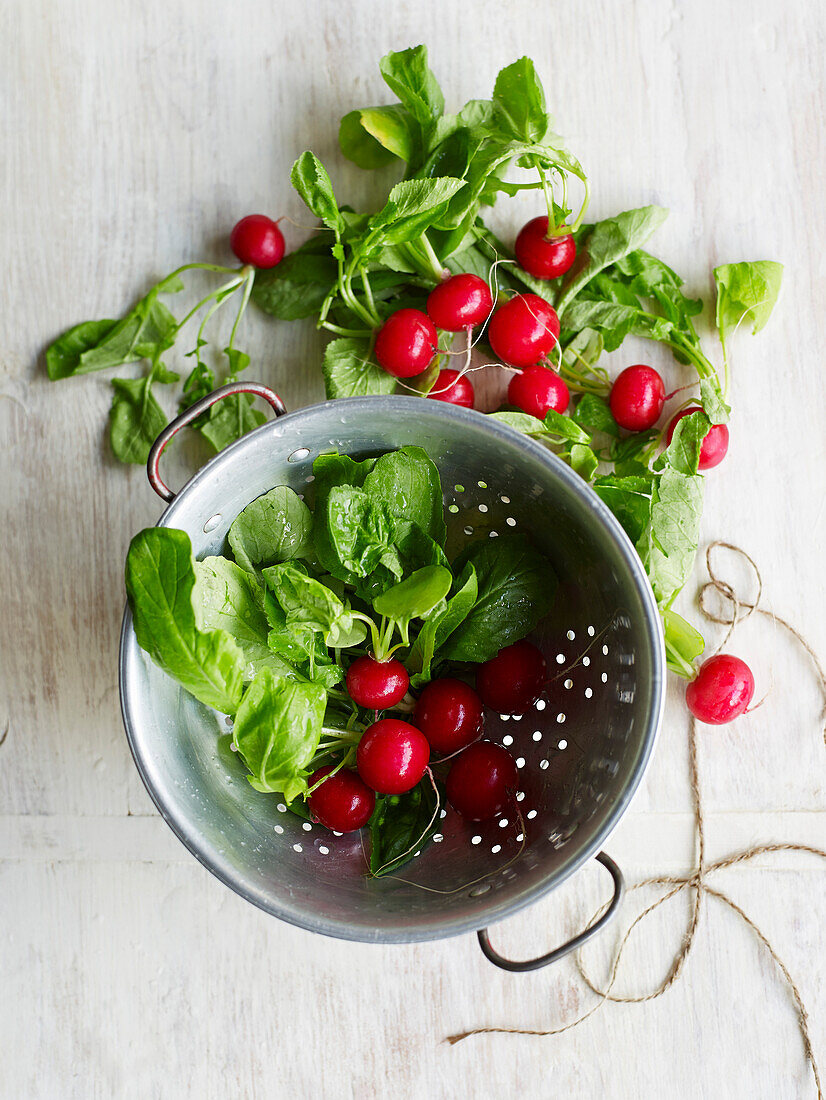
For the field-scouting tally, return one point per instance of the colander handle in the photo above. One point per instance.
(192, 413)
(572, 944)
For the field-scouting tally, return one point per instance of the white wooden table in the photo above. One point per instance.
(134, 136)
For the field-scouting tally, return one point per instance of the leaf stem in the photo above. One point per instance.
(245, 297)
(576, 383)
(340, 735)
(688, 670)
(581, 379)
(212, 309)
(385, 634)
(549, 197)
(727, 378)
(375, 633)
(218, 295)
(586, 198)
(344, 760)
(338, 252)
(202, 267)
(356, 333)
(345, 281)
(368, 293)
(421, 265)
(437, 268)
(563, 176)
(354, 305)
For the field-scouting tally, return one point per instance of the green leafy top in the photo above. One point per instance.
(364, 265)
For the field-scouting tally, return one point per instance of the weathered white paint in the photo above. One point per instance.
(134, 137)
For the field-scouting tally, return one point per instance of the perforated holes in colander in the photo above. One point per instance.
(577, 679)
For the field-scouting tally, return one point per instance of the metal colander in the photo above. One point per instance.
(581, 751)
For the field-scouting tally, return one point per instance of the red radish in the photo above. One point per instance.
(392, 756)
(406, 343)
(342, 802)
(481, 780)
(460, 302)
(542, 256)
(715, 445)
(721, 690)
(637, 398)
(523, 330)
(511, 682)
(454, 387)
(376, 684)
(257, 240)
(449, 714)
(535, 390)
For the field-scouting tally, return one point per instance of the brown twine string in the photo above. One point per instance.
(736, 610)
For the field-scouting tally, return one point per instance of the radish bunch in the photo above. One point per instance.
(417, 292)
(447, 724)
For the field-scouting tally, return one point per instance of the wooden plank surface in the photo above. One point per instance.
(134, 136)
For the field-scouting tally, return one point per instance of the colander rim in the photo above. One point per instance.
(489, 912)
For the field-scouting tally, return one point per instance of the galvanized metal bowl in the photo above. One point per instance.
(581, 752)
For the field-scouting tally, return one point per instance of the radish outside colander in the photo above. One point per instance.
(581, 752)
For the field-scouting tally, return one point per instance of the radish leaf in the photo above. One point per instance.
(160, 578)
(629, 498)
(376, 136)
(746, 292)
(227, 598)
(310, 179)
(335, 469)
(609, 241)
(516, 588)
(520, 422)
(683, 452)
(583, 460)
(353, 534)
(275, 527)
(593, 412)
(349, 372)
(416, 596)
(144, 333)
(408, 484)
(277, 730)
(668, 546)
(519, 102)
(135, 419)
(408, 74)
(683, 644)
(402, 824)
(230, 419)
(308, 603)
(412, 207)
(297, 286)
(440, 624)
(64, 355)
